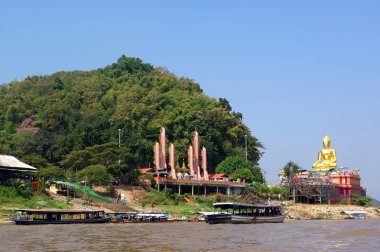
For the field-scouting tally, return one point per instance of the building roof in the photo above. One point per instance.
(145, 170)
(13, 164)
(217, 176)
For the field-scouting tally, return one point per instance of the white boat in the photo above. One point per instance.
(352, 214)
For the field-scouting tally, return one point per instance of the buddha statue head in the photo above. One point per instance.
(326, 142)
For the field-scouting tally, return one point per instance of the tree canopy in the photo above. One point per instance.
(60, 116)
(291, 168)
(52, 172)
(239, 168)
(95, 175)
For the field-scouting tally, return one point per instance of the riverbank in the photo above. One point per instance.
(177, 206)
(298, 211)
(295, 212)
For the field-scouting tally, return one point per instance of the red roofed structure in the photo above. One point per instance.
(219, 177)
(144, 171)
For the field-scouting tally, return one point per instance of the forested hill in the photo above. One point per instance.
(54, 115)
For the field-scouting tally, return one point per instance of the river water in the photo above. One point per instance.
(343, 235)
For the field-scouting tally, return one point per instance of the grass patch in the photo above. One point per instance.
(10, 198)
(185, 209)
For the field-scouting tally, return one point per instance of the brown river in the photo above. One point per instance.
(343, 235)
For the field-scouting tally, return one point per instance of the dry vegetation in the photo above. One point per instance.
(307, 211)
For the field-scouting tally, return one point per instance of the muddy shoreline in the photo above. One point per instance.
(297, 211)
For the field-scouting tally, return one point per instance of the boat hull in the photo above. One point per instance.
(38, 217)
(39, 222)
(246, 213)
(218, 218)
(239, 219)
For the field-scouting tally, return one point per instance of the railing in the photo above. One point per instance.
(199, 182)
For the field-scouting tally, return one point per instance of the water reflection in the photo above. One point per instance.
(347, 235)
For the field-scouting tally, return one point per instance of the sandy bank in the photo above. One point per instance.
(326, 212)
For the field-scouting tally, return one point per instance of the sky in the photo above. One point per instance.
(295, 69)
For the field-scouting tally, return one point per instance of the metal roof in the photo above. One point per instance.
(231, 205)
(13, 164)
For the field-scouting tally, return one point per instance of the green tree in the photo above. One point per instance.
(243, 174)
(26, 143)
(52, 172)
(95, 175)
(360, 200)
(107, 154)
(291, 167)
(257, 174)
(239, 168)
(36, 161)
(77, 110)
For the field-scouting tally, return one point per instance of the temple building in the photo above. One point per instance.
(325, 183)
(193, 178)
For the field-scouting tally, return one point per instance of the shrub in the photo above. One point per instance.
(360, 200)
(22, 188)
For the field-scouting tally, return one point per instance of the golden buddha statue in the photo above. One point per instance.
(326, 157)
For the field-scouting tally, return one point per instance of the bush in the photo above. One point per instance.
(10, 198)
(154, 198)
(147, 177)
(7, 193)
(200, 199)
(263, 191)
(360, 200)
(22, 188)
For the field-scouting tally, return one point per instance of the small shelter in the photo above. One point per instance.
(70, 188)
(11, 168)
(10, 163)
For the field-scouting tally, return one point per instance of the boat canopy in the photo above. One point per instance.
(354, 212)
(235, 205)
(60, 211)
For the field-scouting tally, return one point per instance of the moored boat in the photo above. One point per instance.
(148, 217)
(242, 213)
(32, 217)
(133, 217)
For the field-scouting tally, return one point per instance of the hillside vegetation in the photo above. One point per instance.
(54, 115)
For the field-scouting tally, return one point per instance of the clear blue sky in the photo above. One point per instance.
(295, 69)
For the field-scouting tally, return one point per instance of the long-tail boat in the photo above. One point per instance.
(31, 217)
(242, 213)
